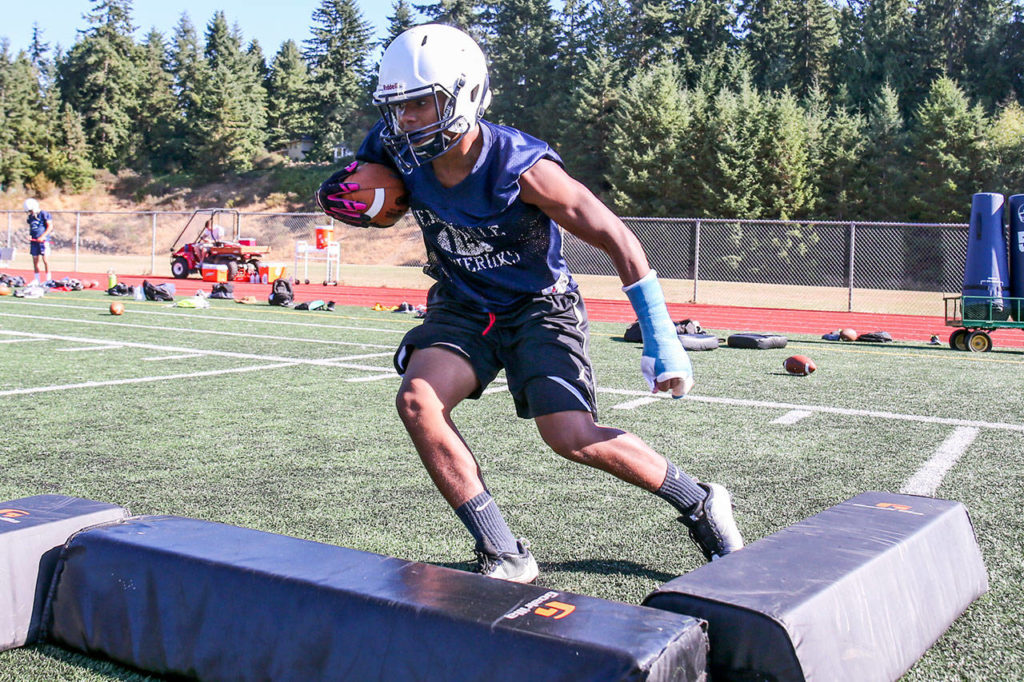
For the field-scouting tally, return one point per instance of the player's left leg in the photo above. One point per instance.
(36, 255)
(706, 508)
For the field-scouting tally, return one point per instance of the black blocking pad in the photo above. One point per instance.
(857, 592)
(32, 531)
(179, 596)
(756, 341)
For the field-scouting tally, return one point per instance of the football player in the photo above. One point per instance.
(39, 226)
(491, 202)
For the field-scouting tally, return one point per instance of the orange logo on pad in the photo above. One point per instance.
(12, 515)
(550, 609)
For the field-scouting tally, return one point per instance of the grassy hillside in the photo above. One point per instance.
(275, 185)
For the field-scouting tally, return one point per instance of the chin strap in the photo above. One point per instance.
(663, 356)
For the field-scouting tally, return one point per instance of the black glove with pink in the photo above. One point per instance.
(331, 198)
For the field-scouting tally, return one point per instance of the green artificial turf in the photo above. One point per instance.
(247, 415)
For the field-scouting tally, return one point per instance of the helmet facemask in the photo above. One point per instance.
(410, 149)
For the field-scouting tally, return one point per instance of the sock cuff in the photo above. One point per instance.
(680, 490)
(484, 521)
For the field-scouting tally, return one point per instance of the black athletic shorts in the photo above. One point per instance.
(542, 346)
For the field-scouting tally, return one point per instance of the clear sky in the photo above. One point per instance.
(271, 22)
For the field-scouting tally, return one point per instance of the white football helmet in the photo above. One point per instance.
(32, 205)
(437, 61)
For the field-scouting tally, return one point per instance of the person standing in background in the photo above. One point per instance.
(39, 226)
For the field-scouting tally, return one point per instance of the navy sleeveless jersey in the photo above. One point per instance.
(37, 224)
(493, 249)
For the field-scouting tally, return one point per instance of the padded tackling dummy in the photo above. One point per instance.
(177, 596)
(756, 341)
(32, 531)
(857, 592)
(699, 341)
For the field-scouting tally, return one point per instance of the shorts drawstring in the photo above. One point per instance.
(490, 323)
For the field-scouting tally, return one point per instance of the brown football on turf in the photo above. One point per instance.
(382, 190)
(801, 365)
(117, 308)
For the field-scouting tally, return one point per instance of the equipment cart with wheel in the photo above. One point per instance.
(978, 318)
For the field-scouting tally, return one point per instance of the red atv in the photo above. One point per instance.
(212, 243)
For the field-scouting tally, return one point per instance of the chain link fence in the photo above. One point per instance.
(818, 265)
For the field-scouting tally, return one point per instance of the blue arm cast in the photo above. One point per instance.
(663, 356)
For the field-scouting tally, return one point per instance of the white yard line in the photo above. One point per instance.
(631, 404)
(829, 410)
(361, 357)
(792, 417)
(22, 340)
(181, 349)
(372, 377)
(928, 478)
(85, 348)
(180, 356)
(290, 323)
(244, 335)
(144, 380)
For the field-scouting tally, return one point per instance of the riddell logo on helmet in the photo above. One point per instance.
(391, 87)
(12, 515)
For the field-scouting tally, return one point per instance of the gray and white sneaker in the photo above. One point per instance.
(711, 523)
(517, 568)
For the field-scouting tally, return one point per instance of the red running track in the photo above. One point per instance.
(734, 318)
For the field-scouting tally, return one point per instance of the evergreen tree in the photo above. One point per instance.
(338, 54)
(947, 154)
(259, 61)
(522, 64)
(837, 147)
(289, 110)
(231, 112)
(99, 79)
(785, 189)
(1004, 171)
(157, 121)
(402, 18)
(566, 80)
(67, 161)
(1009, 46)
(875, 43)
(655, 35)
(38, 53)
(706, 37)
(586, 122)
(188, 69)
(769, 42)
(609, 28)
(464, 14)
(815, 40)
(880, 182)
(22, 130)
(735, 132)
(649, 175)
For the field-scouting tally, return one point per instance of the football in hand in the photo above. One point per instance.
(800, 365)
(382, 190)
